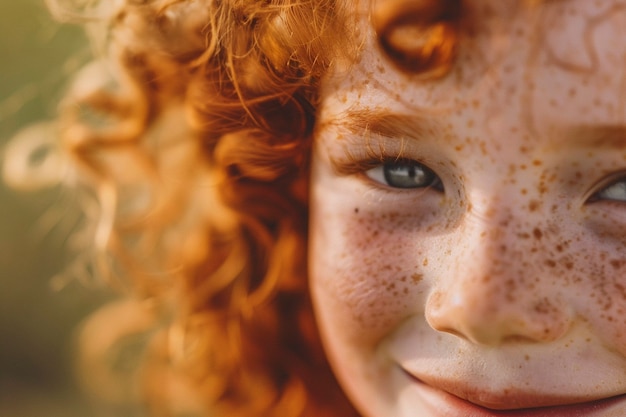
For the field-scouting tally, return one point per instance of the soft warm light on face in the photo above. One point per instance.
(502, 284)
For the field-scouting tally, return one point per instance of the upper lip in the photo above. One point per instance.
(507, 398)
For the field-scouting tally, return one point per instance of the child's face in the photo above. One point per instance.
(482, 264)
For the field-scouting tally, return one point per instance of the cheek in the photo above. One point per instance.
(587, 271)
(601, 279)
(368, 268)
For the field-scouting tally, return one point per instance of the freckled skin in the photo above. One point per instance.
(511, 282)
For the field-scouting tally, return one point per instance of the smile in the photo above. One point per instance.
(441, 401)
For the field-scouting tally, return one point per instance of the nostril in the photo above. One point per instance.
(453, 332)
(419, 36)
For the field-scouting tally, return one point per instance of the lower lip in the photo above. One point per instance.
(444, 404)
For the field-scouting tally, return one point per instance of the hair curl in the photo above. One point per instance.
(189, 136)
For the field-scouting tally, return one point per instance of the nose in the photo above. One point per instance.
(501, 287)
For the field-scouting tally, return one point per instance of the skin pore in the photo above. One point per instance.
(468, 232)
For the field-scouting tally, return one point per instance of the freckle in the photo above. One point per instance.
(425, 262)
(524, 191)
(356, 209)
(550, 263)
(616, 263)
(417, 278)
(534, 205)
(458, 148)
(622, 291)
(537, 162)
(483, 148)
(522, 166)
(542, 188)
(470, 123)
(476, 103)
(537, 233)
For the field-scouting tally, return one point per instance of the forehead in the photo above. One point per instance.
(571, 34)
(523, 54)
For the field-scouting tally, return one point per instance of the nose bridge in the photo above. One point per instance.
(498, 287)
(499, 243)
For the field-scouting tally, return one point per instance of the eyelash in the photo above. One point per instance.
(617, 181)
(364, 165)
(381, 156)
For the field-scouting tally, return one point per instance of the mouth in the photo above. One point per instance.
(444, 398)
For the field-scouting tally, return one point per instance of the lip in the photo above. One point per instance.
(443, 398)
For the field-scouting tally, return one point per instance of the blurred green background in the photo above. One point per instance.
(37, 322)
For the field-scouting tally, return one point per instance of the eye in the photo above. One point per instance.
(615, 191)
(405, 174)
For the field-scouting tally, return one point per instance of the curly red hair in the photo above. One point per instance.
(192, 132)
(189, 138)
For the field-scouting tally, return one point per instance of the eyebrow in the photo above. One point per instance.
(596, 136)
(388, 124)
